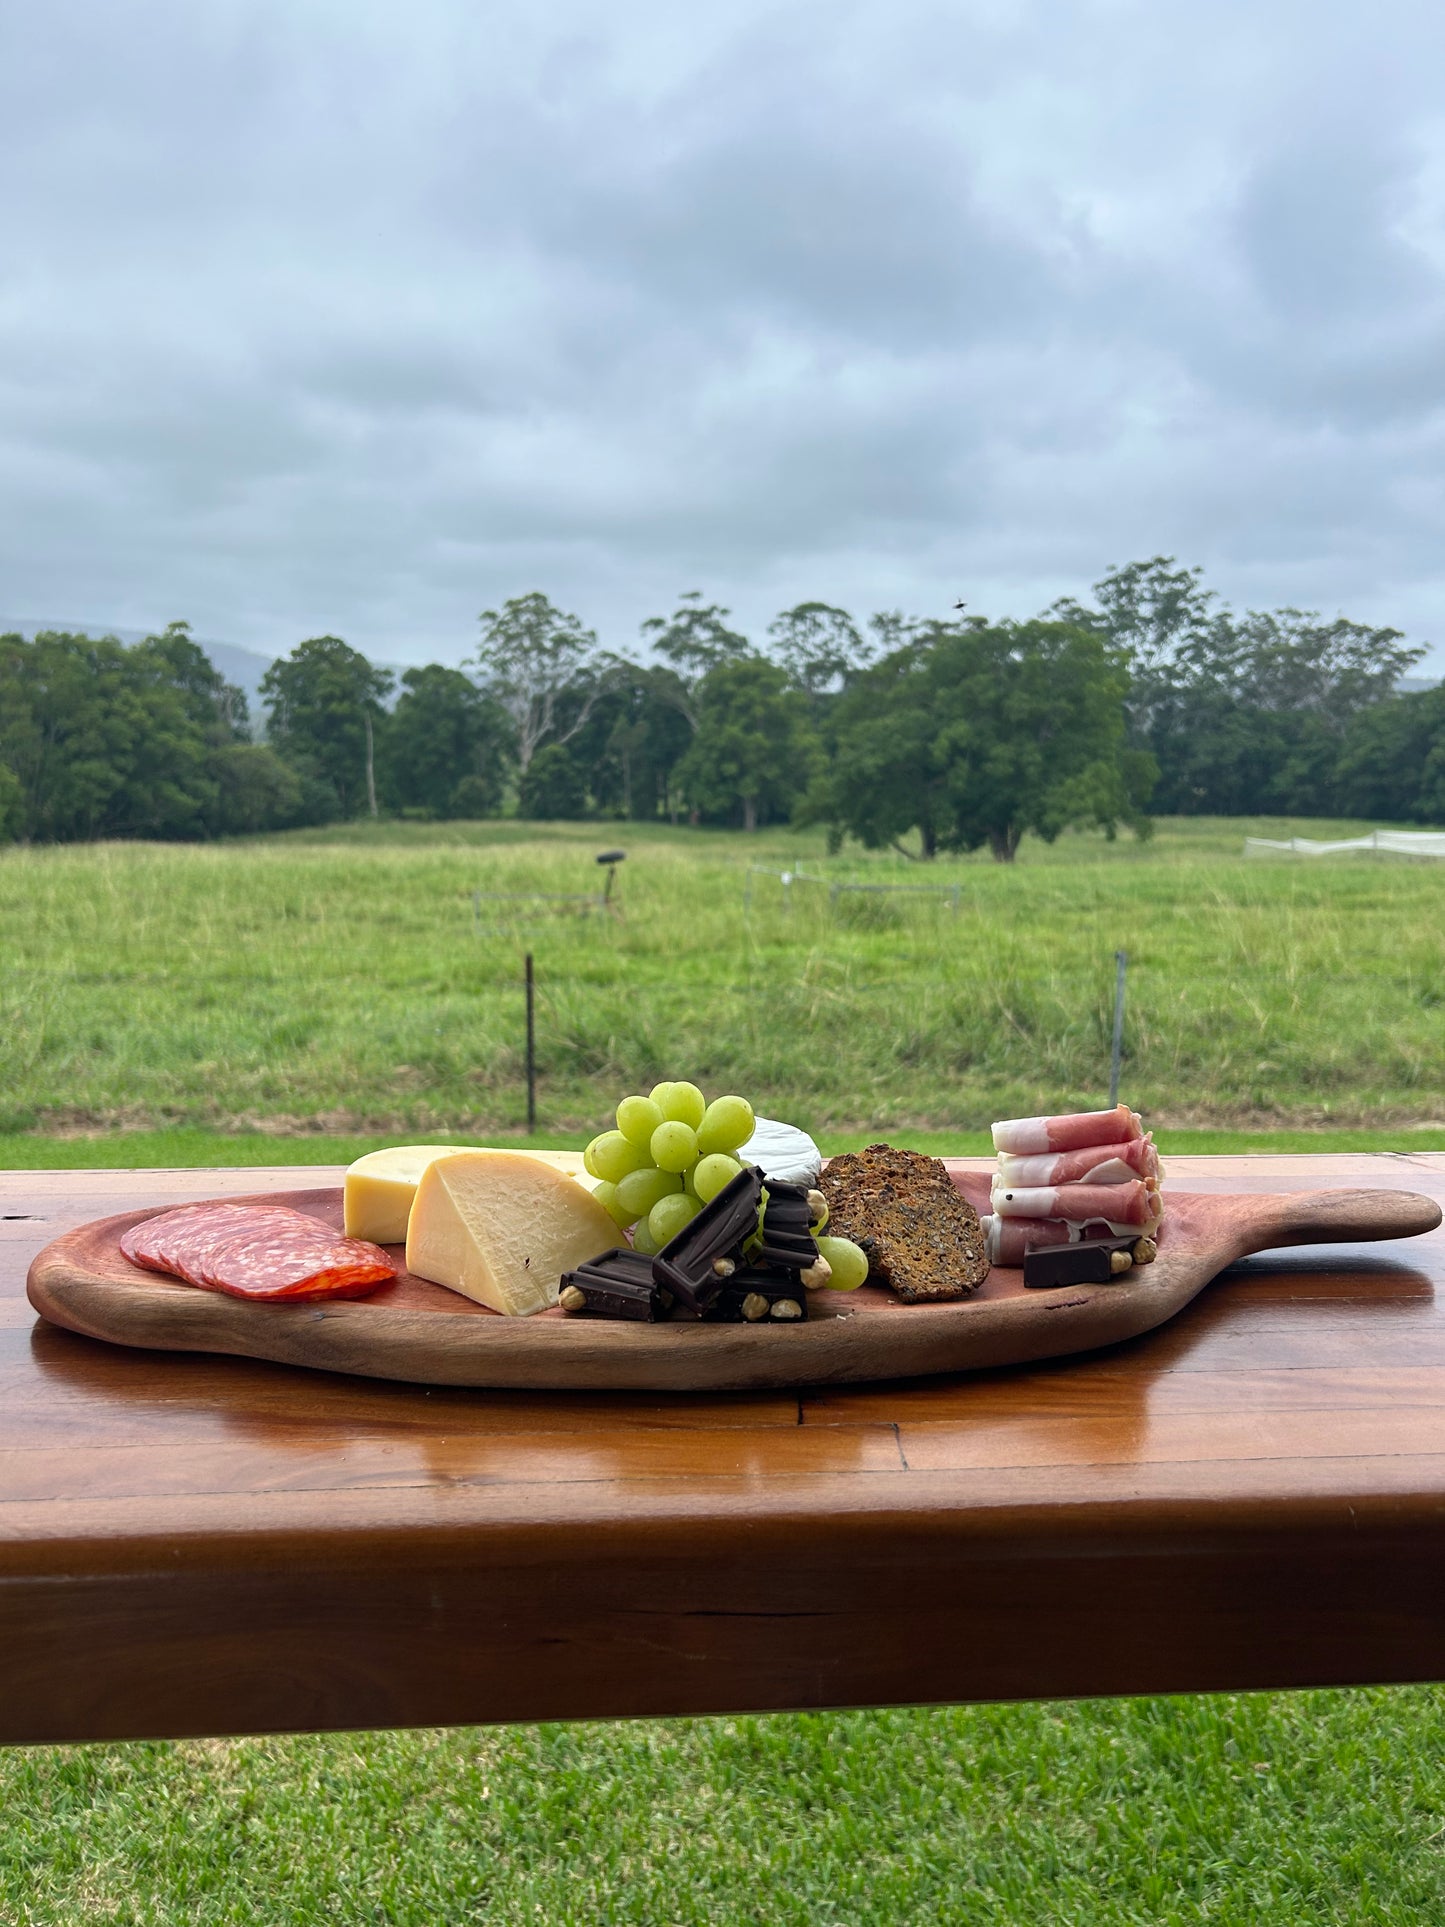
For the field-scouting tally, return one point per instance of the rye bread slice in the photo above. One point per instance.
(921, 1235)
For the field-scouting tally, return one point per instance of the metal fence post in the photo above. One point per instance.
(531, 1054)
(1121, 961)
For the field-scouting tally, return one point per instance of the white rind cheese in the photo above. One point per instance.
(782, 1151)
(501, 1227)
(380, 1187)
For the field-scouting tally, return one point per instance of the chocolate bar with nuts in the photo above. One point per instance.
(1093, 1261)
(618, 1284)
(787, 1234)
(696, 1264)
(755, 1296)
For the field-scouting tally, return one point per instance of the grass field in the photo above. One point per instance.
(1302, 1810)
(341, 983)
(305, 998)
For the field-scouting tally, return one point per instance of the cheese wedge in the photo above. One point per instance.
(501, 1227)
(380, 1187)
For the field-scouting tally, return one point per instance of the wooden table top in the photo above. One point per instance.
(1253, 1495)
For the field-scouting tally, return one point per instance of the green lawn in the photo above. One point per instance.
(1260, 1811)
(339, 983)
(305, 998)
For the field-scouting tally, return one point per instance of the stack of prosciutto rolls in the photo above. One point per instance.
(1060, 1180)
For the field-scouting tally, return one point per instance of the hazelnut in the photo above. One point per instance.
(787, 1308)
(816, 1276)
(571, 1299)
(723, 1267)
(1119, 1262)
(755, 1306)
(1145, 1251)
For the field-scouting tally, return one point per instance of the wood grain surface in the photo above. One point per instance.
(1251, 1495)
(422, 1333)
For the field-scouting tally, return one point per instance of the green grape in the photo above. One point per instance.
(657, 1094)
(689, 1180)
(640, 1190)
(606, 1196)
(668, 1216)
(642, 1239)
(637, 1119)
(684, 1103)
(850, 1264)
(613, 1156)
(708, 1176)
(587, 1164)
(727, 1124)
(674, 1146)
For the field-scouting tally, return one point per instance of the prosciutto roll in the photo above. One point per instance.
(1100, 1164)
(1032, 1136)
(1126, 1204)
(1008, 1239)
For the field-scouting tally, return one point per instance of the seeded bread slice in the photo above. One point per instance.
(921, 1235)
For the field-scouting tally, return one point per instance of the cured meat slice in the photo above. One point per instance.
(1100, 1163)
(1031, 1136)
(1009, 1238)
(1127, 1204)
(265, 1252)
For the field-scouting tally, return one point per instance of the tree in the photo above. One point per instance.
(631, 741)
(819, 646)
(553, 786)
(974, 735)
(1392, 762)
(174, 658)
(530, 655)
(256, 791)
(695, 638)
(887, 773)
(150, 741)
(1244, 714)
(324, 701)
(446, 747)
(103, 740)
(753, 752)
(12, 805)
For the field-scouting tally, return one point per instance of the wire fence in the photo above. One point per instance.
(838, 888)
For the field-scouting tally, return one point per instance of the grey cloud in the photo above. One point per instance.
(330, 316)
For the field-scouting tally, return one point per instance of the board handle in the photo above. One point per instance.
(1346, 1217)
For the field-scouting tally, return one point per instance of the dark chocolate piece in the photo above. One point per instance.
(695, 1265)
(787, 1235)
(618, 1284)
(756, 1296)
(1093, 1261)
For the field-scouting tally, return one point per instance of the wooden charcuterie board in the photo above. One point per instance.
(424, 1334)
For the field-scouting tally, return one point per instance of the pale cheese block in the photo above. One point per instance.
(501, 1227)
(380, 1187)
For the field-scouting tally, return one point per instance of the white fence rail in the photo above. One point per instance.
(1401, 842)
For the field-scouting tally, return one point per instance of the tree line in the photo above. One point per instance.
(926, 734)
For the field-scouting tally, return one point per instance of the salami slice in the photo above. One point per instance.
(260, 1251)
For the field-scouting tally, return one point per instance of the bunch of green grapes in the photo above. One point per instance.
(671, 1153)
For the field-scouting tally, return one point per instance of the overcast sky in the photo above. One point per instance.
(362, 315)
